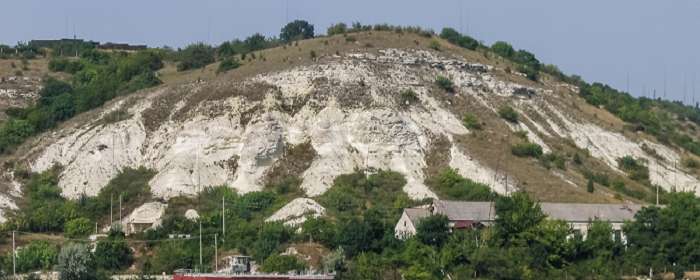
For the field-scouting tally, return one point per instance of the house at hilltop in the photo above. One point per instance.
(472, 214)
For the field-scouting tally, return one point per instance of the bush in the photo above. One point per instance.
(354, 236)
(409, 95)
(38, 255)
(527, 150)
(457, 39)
(618, 184)
(435, 45)
(508, 113)
(113, 253)
(78, 227)
(445, 84)
(196, 56)
(18, 73)
(350, 39)
(282, 264)
(228, 64)
(75, 262)
(577, 159)
(503, 49)
(558, 159)
(312, 54)
(254, 42)
(691, 163)
(339, 28)
(590, 188)
(471, 121)
(297, 30)
(28, 54)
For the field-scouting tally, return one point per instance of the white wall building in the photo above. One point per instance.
(468, 214)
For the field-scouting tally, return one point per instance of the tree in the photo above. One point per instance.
(320, 229)
(503, 49)
(339, 28)
(297, 30)
(196, 56)
(354, 236)
(254, 42)
(113, 253)
(519, 218)
(75, 262)
(433, 230)
(270, 236)
(78, 227)
(369, 266)
(225, 50)
(590, 188)
(282, 264)
(577, 159)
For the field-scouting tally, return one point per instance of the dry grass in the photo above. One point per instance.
(310, 253)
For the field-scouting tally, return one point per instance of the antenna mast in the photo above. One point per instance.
(460, 17)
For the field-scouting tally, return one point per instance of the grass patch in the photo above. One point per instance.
(409, 96)
(445, 84)
(522, 134)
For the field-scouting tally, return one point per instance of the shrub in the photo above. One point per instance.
(617, 196)
(508, 113)
(409, 95)
(350, 39)
(39, 254)
(254, 42)
(339, 200)
(503, 49)
(196, 56)
(78, 227)
(457, 39)
(691, 163)
(312, 54)
(12, 64)
(435, 45)
(18, 73)
(339, 28)
(590, 188)
(113, 253)
(618, 184)
(445, 84)
(557, 158)
(295, 30)
(527, 150)
(282, 264)
(28, 54)
(471, 121)
(577, 159)
(228, 64)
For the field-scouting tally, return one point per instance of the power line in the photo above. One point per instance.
(111, 241)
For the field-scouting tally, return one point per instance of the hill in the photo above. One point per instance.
(298, 127)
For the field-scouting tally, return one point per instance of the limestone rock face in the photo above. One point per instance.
(348, 107)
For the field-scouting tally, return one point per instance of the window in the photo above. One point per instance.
(404, 223)
(618, 236)
(577, 232)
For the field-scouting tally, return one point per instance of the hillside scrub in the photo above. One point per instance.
(508, 113)
(451, 185)
(445, 84)
(527, 150)
(409, 95)
(339, 28)
(37, 255)
(228, 64)
(457, 39)
(471, 121)
(100, 77)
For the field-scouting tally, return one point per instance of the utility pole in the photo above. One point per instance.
(14, 271)
(120, 210)
(223, 215)
(199, 184)
(460, 17)
(628, 82)
(111, 208)
(664, 84)
(216, 254)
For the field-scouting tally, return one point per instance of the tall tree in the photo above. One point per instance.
(298, 29)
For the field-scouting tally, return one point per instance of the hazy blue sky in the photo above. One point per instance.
(600, 40)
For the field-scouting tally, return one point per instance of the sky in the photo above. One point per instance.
(602, 41)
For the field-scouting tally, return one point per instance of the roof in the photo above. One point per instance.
(465, 210)
(571, 212)
(580, 212)
(414, 214)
